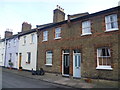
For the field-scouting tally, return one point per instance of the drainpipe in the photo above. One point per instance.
(37, 49)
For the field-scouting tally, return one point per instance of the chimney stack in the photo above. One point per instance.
(119, 3)
(26, 26)
(8, 33)
(58, 14)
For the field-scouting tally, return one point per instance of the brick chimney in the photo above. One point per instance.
(58, 14)
(26, 26)
(8, 34)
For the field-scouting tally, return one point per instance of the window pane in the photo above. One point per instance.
(86, 27)
(49, 57)
(75, 61)
(108, 61)
(103, 56)
(111, 21)
(100, 61)
(57, 32)
(78, 61)
(45, 35)
(76, 51)
(66, 51)
(114, 17)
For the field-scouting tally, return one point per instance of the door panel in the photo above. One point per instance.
(76, 65)
(66, 63)
(20, 57)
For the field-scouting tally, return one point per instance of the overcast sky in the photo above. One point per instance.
(14, 12)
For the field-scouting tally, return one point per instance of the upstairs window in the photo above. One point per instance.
(32, 38)
(103, 58)
(9, 42)
(45, 35)
(14, 42)
(86, 28)
(57, 33)
(49, 55)
(111, 22)
(24, 41)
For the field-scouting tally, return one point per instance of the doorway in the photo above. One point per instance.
(20, 58)
(66, 62)
(76, 64)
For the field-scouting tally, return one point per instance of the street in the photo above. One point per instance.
(10, 80)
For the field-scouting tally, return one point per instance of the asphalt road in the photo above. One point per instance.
(10, 80)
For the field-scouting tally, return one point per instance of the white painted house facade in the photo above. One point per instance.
(12, 51)
(2, 51)
(28, 50)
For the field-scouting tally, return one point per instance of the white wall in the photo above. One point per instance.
(28, 47)
(12, 48)
(2, 53)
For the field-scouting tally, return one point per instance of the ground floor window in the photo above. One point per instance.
(104, 58)
(49, 55)
(28, 57)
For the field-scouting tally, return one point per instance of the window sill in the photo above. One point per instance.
(57, 38)
(23, 45)
(109, 30)
(86, 34)
(27, 63)
(44, 41)
(31, 43)
(104, 68)
(48, 65)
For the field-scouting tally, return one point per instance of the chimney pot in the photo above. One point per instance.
(58, 14)
(119, 3)
(26, 26)
(8, 33)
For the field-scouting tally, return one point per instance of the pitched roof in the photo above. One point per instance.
(45, 26)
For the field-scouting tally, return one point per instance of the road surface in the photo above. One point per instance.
(10, 80)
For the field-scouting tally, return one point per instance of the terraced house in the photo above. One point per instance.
(11, 52)
(85, 45)
(27, 58)
(2, 51)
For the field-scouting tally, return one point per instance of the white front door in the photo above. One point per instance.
(76, 64)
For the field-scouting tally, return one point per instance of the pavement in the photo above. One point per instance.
(71, 82)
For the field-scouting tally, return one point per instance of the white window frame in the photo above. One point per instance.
(9, 43)
(99, 51)
(86, 26)
(110, 22)
(45, 36)
(58, 33)
(32, 38)
(14, 42)
(49, 56)
(24, 40)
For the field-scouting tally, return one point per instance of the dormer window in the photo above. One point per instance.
(57, 33)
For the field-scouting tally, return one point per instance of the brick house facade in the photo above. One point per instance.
(60, 44)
